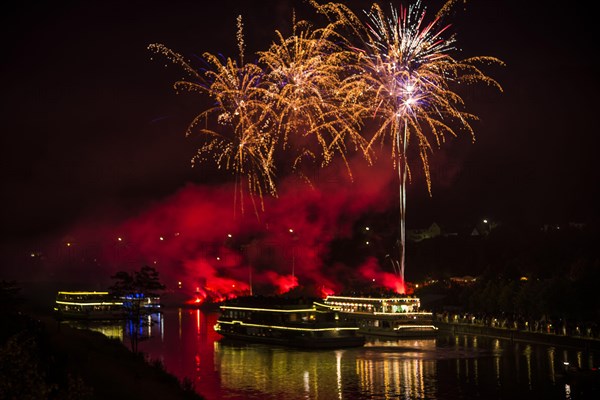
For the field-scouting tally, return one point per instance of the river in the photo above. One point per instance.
(445, 367)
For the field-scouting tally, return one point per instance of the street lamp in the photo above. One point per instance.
(294, 238)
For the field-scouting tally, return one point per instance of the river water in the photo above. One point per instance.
(446, 367)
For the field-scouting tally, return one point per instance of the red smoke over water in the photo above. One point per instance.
(201, 243)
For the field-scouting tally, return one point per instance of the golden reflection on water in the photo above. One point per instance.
(109, 329)
(379, 368)
(497, 355)
(551, 363)
(272, 370)
(338, 365)
(393, 375)
(527, 354)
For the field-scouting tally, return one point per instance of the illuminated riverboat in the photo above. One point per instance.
(101, 305)
(88, 305)
(311, 325)
(148, 302)
(385, 316)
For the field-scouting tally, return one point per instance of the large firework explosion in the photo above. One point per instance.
(313, 93)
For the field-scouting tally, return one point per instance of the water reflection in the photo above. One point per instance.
(120, 330)
(398, 368)
(552, 364)
(255, 369)
(380, 370)
(111, 329)
(446, 367)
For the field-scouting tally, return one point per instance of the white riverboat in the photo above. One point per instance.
(88, 305)
(393, 316)
(274, 321)
(100, 305)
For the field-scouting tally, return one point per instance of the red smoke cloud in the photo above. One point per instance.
(372, 272)
(200, 242)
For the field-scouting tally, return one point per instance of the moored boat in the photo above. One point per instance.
(88, 305)
(101, 305)
(393, 316)
(308, 325)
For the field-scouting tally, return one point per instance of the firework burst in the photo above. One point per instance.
(305, 72)
(293, 102)
(237, 131)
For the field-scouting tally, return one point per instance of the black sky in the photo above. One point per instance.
(91, 125)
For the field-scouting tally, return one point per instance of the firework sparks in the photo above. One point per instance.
(297, 86)
(305, 72)
(237, 130)
(294, 102)
(244, 141)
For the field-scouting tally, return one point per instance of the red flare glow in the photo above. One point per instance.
(371, 271)
(324, 292)
(195, 301)
(195, 239)
(283, 283)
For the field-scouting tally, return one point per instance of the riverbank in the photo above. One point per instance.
(590, 344)
(44, 359)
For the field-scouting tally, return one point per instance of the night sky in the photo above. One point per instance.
(93, 131)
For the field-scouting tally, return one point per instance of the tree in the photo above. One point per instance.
(136, 289)
(9, 297)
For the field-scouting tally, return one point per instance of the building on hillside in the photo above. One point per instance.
(417, 235)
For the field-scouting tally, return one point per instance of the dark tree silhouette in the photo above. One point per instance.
(135, 289)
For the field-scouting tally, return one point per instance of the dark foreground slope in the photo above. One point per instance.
(40, 359)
